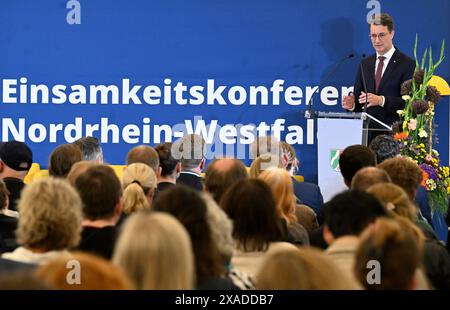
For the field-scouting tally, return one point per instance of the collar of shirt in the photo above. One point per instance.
(190, 172)
(387, 56)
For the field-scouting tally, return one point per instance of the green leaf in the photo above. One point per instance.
(424, 58)
(415, 51)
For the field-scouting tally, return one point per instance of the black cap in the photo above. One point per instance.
(16, 155)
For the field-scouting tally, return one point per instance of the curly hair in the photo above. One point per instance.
(404, 172)
(50, 215)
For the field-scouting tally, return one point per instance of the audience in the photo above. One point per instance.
(49, 222)
(8, 222)
(62, 159)
(16, 159)
(367, 177)
(139, 187)
(170, 167)
(353, 158)
(101, 193)
(155, 251)
(91, 149)
(191, 149)
(144, 154)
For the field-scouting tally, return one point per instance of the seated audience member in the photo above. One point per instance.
(139, 186)
(406, 173)
(190, 209)
(49, 222)
(280, 184)
(78, 169)
(257, 229)
(191, 149)
(262, 163)
(91, 149)
(306, 193)
(265, 145)
(170, 167)
(396, 251)
(353, 158)
(146, 155)
(223, 173)
(95, 274)
(436, 259)
(366, 177)
(23, 280)
(101, 193)
(384, 147)
(16, 159)
(8, 222)
(62, 159)
(346, 216)
(305, 269)
(155, 251)
(222, 230)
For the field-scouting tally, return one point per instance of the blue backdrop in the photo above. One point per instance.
(245, 42)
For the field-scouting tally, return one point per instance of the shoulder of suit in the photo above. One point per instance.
(402, 56)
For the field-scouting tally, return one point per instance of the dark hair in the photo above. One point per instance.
(250, 205)
(190, 209)
(4, 194)
(384, 147)
(91, 148)
(100, 190)
(219, 179)
(166, 160)
(192, 150)
(353, 158)
(144, 154)
(62, 159)
(383, 19)
(350, 212)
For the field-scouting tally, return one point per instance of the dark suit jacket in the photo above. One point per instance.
(399, 69)
(190, 180)
(308, 194)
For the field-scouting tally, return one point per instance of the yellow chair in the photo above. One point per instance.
(41, 174)
(118, 169)
(35, 167)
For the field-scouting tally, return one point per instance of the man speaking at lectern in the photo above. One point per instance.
(384, 73)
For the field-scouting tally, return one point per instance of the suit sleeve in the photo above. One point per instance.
(393, 104)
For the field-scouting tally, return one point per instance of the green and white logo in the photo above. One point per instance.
(334, 159)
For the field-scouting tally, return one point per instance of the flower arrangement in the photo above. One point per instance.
(415, 130)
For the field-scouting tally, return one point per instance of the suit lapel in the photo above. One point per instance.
(390, 68)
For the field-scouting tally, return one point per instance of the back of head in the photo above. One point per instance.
(91, 149)
(16, 155)
(50, 215)
(368, 176)
(95, 273)
(350, 212)
(78, 169)
(394, 199)
(250, 205)
(100, 190)
(305, 269)
(3, 195)
(221, 174)
(263, 162)
(139, 181)
(395, 250)
(404, 172)
(155, 251)
(62, 159)
(221, 227)
(166, 161)
(353, 158)
(144, 154)
(280, 182)
(290, 156)
(190, 209)
(385, 147)
(265, 145)
(190, 150)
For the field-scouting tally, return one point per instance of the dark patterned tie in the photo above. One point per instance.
(379, 72)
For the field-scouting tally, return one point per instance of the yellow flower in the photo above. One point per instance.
(422, 133)
(401, 112)
(406, 98)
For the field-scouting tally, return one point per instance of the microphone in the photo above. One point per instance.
(308, 112)
(364, 83)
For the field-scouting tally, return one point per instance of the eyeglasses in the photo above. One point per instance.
(380, 36)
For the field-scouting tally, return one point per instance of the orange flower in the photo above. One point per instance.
(424, 178)
(401, 136)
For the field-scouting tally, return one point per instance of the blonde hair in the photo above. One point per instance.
(262, 163)
(279, 181)
(137, 179)
(394, 199)
(50, 215)
(155, 250)
(303, 269)
(96, 273)
(78, 169)
(221, 227)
